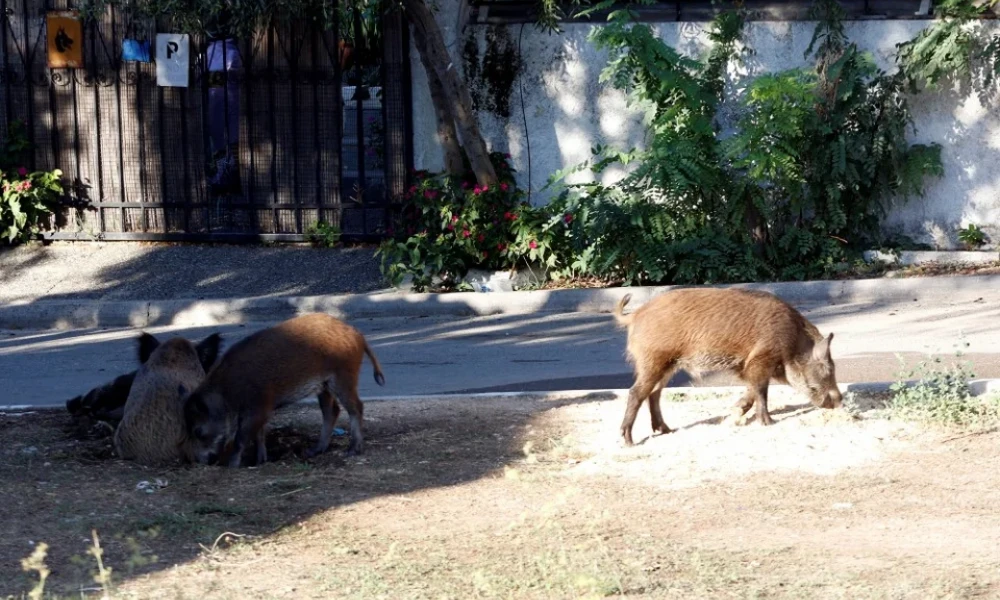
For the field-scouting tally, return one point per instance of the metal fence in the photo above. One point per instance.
(270, 137)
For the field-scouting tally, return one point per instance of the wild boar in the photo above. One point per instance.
(755, 335)
(314, 354)
(152, 428)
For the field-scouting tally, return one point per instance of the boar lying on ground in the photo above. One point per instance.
(104, 403)
(313, 354)
(152, 428)
(753, 334)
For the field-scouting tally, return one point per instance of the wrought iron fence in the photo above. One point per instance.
(272, 135)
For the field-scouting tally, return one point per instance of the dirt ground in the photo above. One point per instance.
(515, 498)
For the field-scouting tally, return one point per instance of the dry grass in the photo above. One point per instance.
(519, 499)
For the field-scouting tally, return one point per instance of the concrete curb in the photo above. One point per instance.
(69, 314)
(978, 387)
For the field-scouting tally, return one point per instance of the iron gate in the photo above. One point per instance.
(313, 142)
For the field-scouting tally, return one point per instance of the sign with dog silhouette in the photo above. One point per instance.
(64, 36)
(173, 59)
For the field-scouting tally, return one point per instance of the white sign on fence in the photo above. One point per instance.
(173, 59)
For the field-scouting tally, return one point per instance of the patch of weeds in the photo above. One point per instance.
(972, 236)
(940, 395)
(324, 235)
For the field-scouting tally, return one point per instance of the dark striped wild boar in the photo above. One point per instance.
(315, 354)
(755, 335)
(152, 428)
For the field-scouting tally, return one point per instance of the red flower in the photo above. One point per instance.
(430, 194)
(532, 244)
(454, 218)
(22, 171)
(466, 233)
(451, 228)
(481, 237)
(501, 247)
(504, 186)
(568, 218)
(508, 216)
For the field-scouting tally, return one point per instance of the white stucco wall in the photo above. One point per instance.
(567, 111)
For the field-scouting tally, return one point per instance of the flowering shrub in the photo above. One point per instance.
(450, 225)
(28, 197)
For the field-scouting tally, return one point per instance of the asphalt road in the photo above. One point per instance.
(515, 353)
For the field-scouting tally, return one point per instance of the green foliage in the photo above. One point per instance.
(795, 191)
(972, 236)
(241, 18)
(324, 235)
(940, 395)
(449, 225)
(951, 48)
(28, 198)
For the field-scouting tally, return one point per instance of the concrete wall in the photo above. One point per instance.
(567, 111)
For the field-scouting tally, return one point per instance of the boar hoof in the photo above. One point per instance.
(662, 429)
(766, 420)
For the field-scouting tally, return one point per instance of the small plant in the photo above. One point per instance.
(28, 198)
(324, 235)
(450, 225)
(36, 563)
(940, 395)
(972, 236)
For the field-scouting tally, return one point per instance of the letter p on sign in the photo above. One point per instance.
(173, 59)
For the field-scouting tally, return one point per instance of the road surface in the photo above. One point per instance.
(514, 353)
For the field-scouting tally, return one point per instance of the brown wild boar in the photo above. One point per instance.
(312, 354)
(753, 334)
(152, 428)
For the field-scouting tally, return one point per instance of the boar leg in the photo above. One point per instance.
(758, 376)
(261, 446)
(641, 389)
(347, 392)
(743, 405)
(659, 425)
(331, 410)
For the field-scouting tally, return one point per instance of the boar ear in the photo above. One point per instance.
(147, 344)
(208, 350)
(821, 351)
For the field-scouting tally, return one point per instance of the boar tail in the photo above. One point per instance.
(620, 316)
(379, 377)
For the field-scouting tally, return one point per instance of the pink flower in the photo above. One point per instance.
(22, 171)
(532, 244)
(454, 218)
(413, 189)
(477, 190)
(504, 186)
(465, 185)
(430, 194)
(451, 228)
(24, 186)
(501, 247)
(466, 233)
(568, 218)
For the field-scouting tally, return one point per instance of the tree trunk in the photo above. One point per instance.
(453, 164)
(456, 94)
